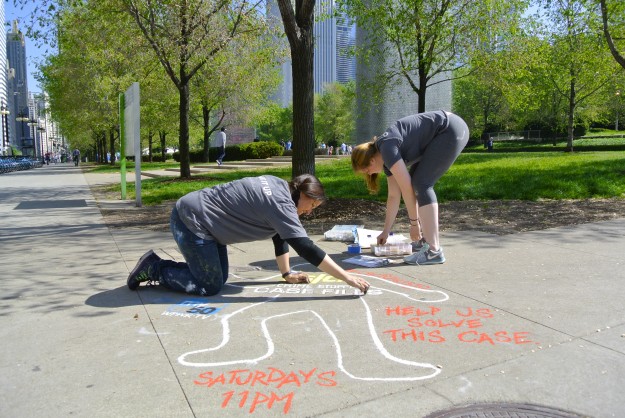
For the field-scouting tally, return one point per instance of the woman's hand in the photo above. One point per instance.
(295, 278)
(382, 238)
(358, 283)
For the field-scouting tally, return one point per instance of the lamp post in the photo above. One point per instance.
(22, 118)
(5, 128)
(618, 108)
(31, 124)
(41, 130)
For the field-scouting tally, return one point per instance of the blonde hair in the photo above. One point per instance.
(361, 158)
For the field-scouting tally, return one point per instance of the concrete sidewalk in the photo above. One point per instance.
(535, 318)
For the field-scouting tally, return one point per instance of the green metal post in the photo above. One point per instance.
(122, 140)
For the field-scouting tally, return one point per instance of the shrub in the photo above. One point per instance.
(263, 149)
(238, 152)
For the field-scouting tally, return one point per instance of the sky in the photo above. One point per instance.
(34, 53)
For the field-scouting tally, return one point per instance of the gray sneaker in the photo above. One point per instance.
(419, 245)
(426, 257)
(144, 270)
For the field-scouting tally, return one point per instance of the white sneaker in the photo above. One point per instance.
(426, 257)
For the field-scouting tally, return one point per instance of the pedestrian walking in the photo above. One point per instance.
(221, 144)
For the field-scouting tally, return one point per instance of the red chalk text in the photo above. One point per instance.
(267, 387)
(428, 325)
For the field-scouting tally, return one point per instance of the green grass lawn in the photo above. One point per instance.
(595, 140)
(479, 176)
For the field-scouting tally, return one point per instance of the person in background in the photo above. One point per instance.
(414, 153)
(221, 144)
(76, 156)
(206, 221)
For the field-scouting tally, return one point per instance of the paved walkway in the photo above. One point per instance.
(533, 318)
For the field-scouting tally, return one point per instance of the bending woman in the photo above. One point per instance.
(205, 221)
(414, 153)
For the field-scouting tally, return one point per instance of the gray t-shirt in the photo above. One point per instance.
(249, 209)
(407, 138)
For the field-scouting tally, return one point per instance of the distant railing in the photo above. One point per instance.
(531, 135)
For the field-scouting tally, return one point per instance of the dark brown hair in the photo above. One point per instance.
(309, 185)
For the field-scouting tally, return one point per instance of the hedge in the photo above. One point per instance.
(238, 152)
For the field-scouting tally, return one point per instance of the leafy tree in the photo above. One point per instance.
(98, 58)
(580, 65)
(274, 123)
(613, 22)
(236, 84)
(84, 78)
(334, 113)
(185, 35)
(426, 42)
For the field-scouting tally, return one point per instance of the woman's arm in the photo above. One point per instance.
(404, 184)
(392, 207)
(282, 259)
(317, 257)
(330, 267)
(285, 267)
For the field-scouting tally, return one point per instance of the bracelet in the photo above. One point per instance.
(413, 220)
(284, 275)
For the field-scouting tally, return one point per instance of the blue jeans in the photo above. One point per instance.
(222, 154)
(206, 268)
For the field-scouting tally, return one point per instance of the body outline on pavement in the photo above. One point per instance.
(379, 345)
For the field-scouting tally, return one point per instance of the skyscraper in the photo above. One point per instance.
(398, 99)
(4, 117)
(333, 38)
(17, 83)
(345, 42)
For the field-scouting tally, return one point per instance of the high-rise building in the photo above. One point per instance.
(43, 129)
(18, 91)
(396, 101)
(345, 42)
(334, 37)
(284, 93)
(4, 103)
(332, 63)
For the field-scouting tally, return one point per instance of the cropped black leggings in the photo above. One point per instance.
(438, 156)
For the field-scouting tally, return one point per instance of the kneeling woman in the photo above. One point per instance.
(205, 221)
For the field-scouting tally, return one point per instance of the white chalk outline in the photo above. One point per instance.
(371, 327)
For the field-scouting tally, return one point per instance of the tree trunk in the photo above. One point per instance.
(162, 136)
(112, 145)
(185, 168)
(150, 141)
(571, 117)
(101, 147)
(423, 86)
(206, 128)
(303, 105)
